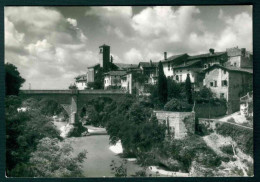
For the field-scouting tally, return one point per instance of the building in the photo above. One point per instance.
(150, 69)
(169, 63)
(239, 58)
(104, 57)
(246, 104)
(81, 82)
(112, 79)
(127, 82)
(229, 83)
(91, 72)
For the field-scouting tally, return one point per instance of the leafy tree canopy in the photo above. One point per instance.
(13, 80)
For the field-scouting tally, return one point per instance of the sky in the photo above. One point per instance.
(50, 46)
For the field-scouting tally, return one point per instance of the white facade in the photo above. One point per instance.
(112, 80)
(81, 85)
(126, 83)
(180, 75)
(167, 69)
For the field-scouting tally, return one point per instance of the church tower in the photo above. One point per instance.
(104, 57)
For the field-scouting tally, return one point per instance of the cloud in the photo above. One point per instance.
(238, 31)
(12, 37)
(55, 47)
(133, 56)
(72, 21)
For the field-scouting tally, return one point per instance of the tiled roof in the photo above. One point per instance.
(206, 55)
(81, 77)
(230, 68)
(116, 73)
(187, 64)
(125, 66)
(172, 58)
(148, 64)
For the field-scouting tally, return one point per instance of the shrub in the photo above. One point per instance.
(177, 105)
(242, 136)
(231, 120)
(228, 149)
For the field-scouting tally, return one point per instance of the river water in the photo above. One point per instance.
(99, 156)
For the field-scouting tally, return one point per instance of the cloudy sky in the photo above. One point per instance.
(52, 45)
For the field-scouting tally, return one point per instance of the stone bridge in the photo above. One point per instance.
(72, 100)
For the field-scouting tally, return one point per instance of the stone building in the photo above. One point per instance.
(239, 58)
(91, 72)
(246, 104)
(112, 79)
(229, 83)
(171, 62)
(81, 81)
(104, 57)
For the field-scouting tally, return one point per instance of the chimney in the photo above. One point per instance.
(111, 59)
(211, 51)
(165, 55)
(151, 63)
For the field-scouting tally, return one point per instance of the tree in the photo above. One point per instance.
(162, 84)
(188, 89)
(13, 80)
(55, 159)
(73, 86)
(174, 89)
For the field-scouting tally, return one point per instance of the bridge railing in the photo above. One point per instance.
(72, 91)
(45, 91)
(100, 91)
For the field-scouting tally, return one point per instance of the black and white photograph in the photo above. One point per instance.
(128, 91)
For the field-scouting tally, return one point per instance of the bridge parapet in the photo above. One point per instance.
(46, 91)
(101, 92)
(72, 92)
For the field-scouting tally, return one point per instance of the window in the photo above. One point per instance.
(224, 83)
(211, 84)
(222, 95)
(101, 51)
(235, 64)
(215, 83)
(180, 78)
(205, 66)
(177, 78)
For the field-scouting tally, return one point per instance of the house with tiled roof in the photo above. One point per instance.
(112, 79)
(229, 83)
(81, 81)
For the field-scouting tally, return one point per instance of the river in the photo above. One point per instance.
(99, 155)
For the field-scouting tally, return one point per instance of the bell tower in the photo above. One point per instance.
(104, 57)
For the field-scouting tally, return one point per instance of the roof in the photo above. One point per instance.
(174, 57)
(230, 68)
(126, 66)
(187, 64)
(116, 73)
(206, 55)
(148, 64)
(104, 45)
(94, 65)
(81, 77)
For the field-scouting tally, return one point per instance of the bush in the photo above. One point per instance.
(242, 136)
(231, 120)
(177, 105)
(228, 149)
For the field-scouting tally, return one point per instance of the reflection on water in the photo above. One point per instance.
(99, 156)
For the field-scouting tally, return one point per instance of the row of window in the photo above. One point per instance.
(224, 83)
